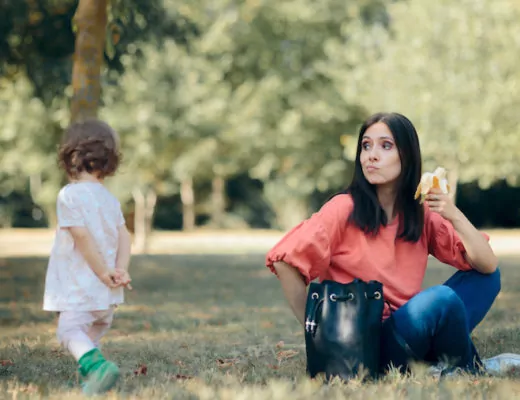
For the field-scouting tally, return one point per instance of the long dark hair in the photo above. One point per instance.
(368, 214)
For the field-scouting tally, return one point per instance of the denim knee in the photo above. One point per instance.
(446, 304)
(446, 296)
(430, 308)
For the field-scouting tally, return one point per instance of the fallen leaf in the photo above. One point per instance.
(272, 366)
(180, 363)
(29, 389)
(200, 315)
(141, 370)
(57, 353)
(226, 362)
(266, 324)
(280, 344)
(180, 377)
(286, 354)
(5, 363)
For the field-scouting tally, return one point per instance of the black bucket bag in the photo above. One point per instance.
(343, 328)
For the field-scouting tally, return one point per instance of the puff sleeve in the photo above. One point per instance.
(69, 209)
(309, 245)
(444, 242)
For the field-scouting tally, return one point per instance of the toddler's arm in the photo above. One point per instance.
(123, 255)
(123, 249)
(86, 245)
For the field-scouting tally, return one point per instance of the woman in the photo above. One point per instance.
(376, 230)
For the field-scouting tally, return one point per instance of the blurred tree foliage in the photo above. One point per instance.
(246, 112)
(450, 66)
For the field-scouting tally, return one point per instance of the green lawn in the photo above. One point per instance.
(216, 326)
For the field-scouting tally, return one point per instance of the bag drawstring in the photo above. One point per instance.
(311, 325)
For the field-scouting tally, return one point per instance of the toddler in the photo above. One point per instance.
(88, 264)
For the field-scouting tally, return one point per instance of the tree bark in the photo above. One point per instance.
(143, 218)
(91, 22)
(218, 201)
(291, 212)
(188, 204)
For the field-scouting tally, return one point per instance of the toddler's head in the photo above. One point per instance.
(89, 147)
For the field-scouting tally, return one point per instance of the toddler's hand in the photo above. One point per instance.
(123, 278)
(109, 279)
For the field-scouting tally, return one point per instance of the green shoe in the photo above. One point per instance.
(102, 379)
(99, 375)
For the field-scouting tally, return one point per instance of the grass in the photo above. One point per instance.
(216, 327)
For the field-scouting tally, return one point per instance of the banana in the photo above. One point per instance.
(435, 180)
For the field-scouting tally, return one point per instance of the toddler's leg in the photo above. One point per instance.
(100, 326)
(72, 332)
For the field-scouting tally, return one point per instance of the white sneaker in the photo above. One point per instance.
(435, 370)
(501, 363)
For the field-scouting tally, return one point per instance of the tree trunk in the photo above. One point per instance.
(35, 186)
(453, 178)
(7, 293)
(291, 212)
(91, 22)
(143, 218)
(50, 213)
(188, 204)
(218, 201)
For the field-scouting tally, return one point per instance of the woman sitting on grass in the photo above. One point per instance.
(376, 230)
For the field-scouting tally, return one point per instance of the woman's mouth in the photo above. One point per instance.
(371, 168)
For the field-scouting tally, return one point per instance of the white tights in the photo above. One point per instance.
(81, 331)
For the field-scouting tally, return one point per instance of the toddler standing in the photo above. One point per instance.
(88, 265)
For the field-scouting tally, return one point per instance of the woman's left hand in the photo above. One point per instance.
(442, 204)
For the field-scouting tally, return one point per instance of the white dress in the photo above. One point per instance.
(70, 284)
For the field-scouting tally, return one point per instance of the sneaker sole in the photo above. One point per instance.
(501, 363)
(506, 356)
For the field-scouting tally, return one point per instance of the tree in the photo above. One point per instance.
(28, 134)
(91, 22)
(447, 65)
(167, 108)
(283, 109)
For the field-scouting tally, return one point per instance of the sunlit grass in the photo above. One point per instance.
(217, 326)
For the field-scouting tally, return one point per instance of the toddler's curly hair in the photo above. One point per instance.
(90, 146)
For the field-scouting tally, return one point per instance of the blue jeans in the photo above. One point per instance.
(435, 325)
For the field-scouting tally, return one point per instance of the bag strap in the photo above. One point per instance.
(311, 325)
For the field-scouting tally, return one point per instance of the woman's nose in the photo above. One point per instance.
(373, 155)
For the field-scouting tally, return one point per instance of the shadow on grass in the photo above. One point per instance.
(213, 317)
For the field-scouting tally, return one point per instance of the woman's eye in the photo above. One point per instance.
(365, 145)
(387, 145)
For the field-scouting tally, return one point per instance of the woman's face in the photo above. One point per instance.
(379, 156)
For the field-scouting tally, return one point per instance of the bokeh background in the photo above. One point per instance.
(238, 119)
(244, 114)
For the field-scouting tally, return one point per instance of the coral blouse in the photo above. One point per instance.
(327, 246)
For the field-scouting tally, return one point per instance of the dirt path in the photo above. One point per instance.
(38, 242)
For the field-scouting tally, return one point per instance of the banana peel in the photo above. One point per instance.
(432, 180)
